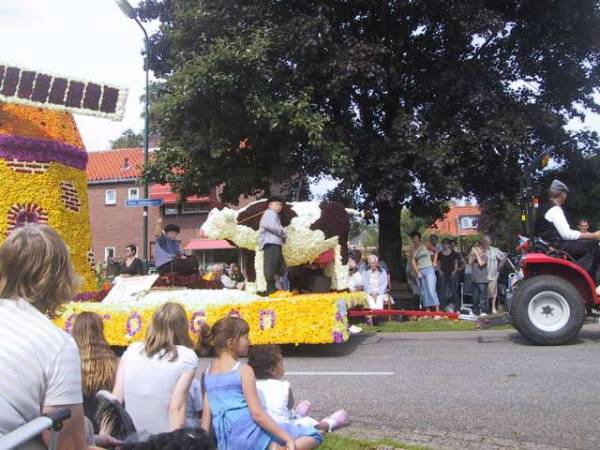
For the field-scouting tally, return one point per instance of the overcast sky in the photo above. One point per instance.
(91, 39)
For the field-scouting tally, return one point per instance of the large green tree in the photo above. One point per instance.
(409, 101)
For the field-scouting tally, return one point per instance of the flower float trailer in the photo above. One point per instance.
(280, 319)
(42, 156)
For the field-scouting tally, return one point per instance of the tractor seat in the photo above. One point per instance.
(545, 247)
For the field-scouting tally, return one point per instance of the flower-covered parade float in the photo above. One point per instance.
(42, 176)
(317, 234)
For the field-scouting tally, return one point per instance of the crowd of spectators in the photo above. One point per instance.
(436, 272)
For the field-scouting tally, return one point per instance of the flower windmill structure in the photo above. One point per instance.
(42, 156)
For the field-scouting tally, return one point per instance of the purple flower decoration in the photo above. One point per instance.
(106, 317)
(134, 324)
(196, 321)
(267, 319)
(69, 323)
(42, 151)
(338, 337)
(339, 317)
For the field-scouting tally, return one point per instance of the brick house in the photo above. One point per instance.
(113, 179)
(459, 221)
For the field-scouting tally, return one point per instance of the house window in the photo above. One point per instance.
(189, 208)
(194, 208)
(171, 209)
(133, 194)
(110, 197)
(469, 222)
(109, 252)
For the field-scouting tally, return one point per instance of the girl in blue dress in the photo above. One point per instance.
(231, 401)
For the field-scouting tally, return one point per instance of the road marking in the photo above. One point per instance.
(384, 374)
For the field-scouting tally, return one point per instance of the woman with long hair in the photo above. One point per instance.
(424, 268)
(98, 361)
(154, 376)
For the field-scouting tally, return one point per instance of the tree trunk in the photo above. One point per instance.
(390, 240)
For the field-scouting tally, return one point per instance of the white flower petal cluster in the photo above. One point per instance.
(302, 246)
(261, 282)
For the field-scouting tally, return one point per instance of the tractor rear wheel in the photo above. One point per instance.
(547, 310)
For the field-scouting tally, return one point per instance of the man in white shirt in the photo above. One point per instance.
(552, 226)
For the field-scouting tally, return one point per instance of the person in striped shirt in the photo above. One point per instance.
(40, 367)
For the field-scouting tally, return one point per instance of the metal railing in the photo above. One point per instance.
(25, 433)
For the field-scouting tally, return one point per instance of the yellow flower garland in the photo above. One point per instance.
(298, 319)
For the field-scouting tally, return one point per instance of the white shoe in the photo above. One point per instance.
(483, 315)
(353, 329)
(598, 290)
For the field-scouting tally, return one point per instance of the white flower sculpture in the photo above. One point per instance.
(302, 246)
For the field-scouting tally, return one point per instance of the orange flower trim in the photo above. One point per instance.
(30, 122)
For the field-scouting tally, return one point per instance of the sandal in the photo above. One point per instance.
(337, 420)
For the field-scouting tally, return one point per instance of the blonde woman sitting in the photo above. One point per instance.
(154, 376)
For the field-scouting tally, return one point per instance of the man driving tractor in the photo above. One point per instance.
(552, 226)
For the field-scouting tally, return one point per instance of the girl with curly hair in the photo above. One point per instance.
(276, 394)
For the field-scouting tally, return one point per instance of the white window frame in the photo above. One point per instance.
(107, 250)
(171, 209)
(108, 201)
(470, 220)
(130, 196)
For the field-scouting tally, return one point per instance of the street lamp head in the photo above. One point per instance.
(126, 8)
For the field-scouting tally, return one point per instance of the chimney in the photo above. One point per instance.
(125, 163)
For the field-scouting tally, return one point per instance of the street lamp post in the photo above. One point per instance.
(130, 13)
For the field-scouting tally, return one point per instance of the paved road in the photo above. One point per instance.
(484, 390)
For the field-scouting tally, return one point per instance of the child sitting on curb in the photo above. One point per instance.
(276, 396)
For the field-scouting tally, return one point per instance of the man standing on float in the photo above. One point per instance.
(271, 237)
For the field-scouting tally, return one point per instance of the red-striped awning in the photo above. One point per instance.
(163, 191)
(208, 244)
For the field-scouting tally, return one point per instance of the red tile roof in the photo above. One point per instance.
(450, 224)
(164, 192)
(115, 165)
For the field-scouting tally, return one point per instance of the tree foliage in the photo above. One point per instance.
(411, 102)
(128, 139)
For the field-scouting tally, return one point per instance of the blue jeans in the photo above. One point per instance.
(427, 282)
(479, 296)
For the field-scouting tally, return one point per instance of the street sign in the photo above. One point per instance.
(144, 202)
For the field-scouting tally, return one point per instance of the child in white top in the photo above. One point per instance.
(193, 405)
(275, 394)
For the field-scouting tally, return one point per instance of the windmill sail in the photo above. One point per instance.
(29, 87)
